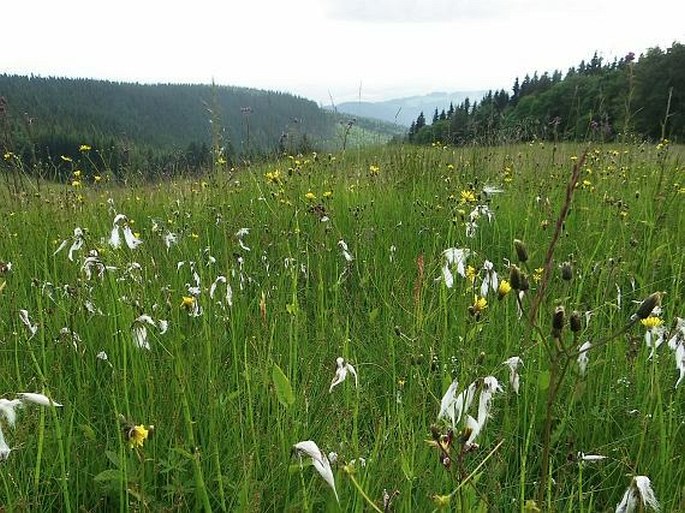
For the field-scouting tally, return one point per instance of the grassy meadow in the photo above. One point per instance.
(183, 392)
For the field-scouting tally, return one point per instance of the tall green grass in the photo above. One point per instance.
(224, 428)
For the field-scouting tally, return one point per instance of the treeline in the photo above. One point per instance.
(151, 129)
(597, 100)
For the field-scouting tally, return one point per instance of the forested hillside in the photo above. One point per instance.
(158, 128)
(629, 97)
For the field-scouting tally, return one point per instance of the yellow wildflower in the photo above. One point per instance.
(651, 322)
(467, 196)
(76, 183)
(503, 289)
(137, 436)
(97, 178)
(537, 274)
(8, 155)
(471, 273)
(77, 173)
(328, 194)
(374, 170)
(187, 301)
(310, 196)
(84, 148)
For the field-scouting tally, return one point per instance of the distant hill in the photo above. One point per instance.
(167, 126)
(405, 110)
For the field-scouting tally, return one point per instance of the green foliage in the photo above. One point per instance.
(624, 99)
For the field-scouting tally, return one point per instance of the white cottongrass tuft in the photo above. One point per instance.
(115, 236)
(590, 457)
(26, 320)
(490, 281)
(139, 331)
(39, 399)
(77, 242)
(342, 368)
(453, 406)
(583, 358)
(5, 449)
(229, 291)
(8, 410)
(639, 491)
(240, 235)
(514, 378)
(454, 258)
(345, 251)
(319, 460)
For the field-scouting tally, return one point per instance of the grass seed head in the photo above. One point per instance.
(521, 250)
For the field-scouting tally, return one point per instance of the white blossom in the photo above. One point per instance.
(39, 399)
(345, 251)
(26, 320)
(514, 378)
(640, 490)
(583, 357)
(342, 368)
(319, 460)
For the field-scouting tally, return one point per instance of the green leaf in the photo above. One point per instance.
(109, 476)
(373, 315)
(284, 391)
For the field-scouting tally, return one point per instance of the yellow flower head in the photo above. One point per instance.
(84, 148)
(651, 322)
(467, 196)
(471, 273)
(328, 194)
(187, 301)
(77, 173)
(310, 196)
(76, 183)
(479, 304)
(137, 436)
(503, 289)
(97, 178)
(374, 170)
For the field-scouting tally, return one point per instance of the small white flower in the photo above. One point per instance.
(489, 190)
(240, 234)
(490, 281)
(139, 331)
(454, 257)
(680, 362)
(7, 408)
(590, 457)
(341, 371)
(583, 357)
(640, 490)
(24, 316)
(131, 240)
(514, 378)
(319, 460)
(454, 406)
(77, 242)
(102, 356)
(5, 449)
(39, 399)
(163, 326)
(345, 251)
(678, 335)
(170, 239)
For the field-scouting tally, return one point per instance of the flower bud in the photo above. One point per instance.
(521, 251)
(574, 321)
(515, 278)
(649, 304)
(525, 284)
(558, 321)
(566, 271)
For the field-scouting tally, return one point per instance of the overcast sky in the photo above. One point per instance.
(344, 49)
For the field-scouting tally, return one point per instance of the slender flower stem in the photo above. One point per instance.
(363, 493)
